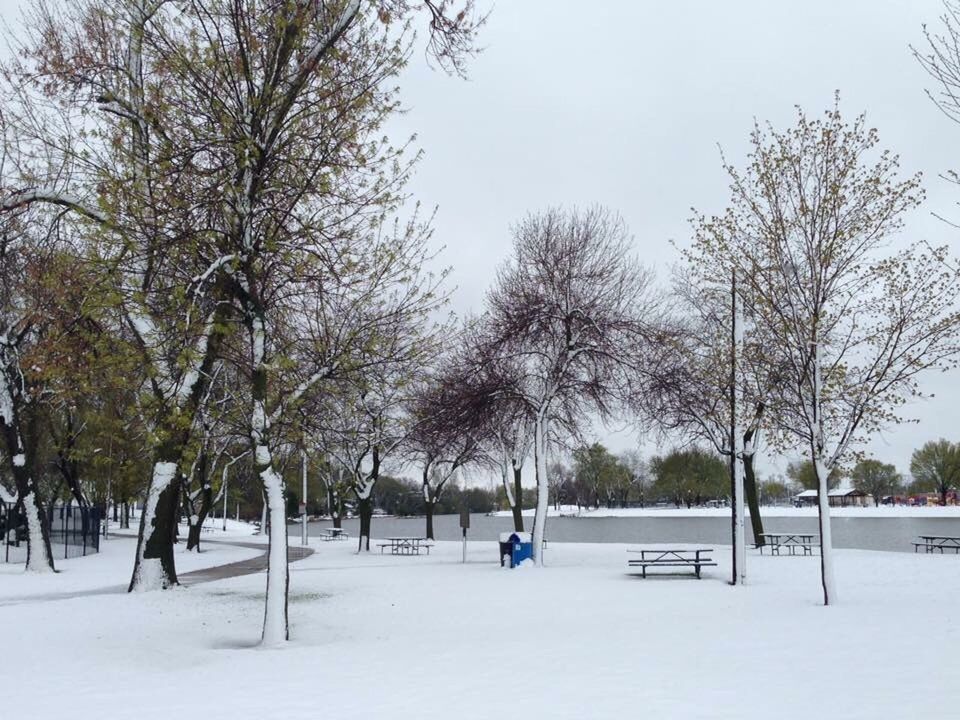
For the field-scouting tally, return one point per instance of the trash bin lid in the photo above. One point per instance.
(512, 537)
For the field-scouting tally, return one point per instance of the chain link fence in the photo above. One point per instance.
(74, 531)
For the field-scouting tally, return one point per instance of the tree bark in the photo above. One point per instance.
(517, 508)
(154, 566)
(206, 502)
(543, 489)
(753, 502)
(22, 461)
(365, 509)
(428, 509)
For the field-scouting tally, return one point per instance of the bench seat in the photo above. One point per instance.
(695, 563)
(931, 547)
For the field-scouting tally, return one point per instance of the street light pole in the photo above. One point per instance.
(303, 516)
(225, 468)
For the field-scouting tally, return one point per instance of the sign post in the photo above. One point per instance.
(464, 525)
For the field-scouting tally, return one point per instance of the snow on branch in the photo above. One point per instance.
(22, 198)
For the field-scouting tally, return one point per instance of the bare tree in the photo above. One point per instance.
(571, 315)
(446, 429)
(638, 473)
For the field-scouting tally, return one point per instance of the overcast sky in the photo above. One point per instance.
(624, 103)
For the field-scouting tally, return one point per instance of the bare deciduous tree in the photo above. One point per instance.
(571, 314)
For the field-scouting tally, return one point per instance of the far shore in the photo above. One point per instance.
(894, 511)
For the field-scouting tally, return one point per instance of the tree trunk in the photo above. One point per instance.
(154, 567)
(753, 502)
(428, 509)
(826, 543)
(22, 466)
(39, 553)
(125, 517)
(365, 508)
(206, 503)
(543, 488)
(518, 500)
(275, 618)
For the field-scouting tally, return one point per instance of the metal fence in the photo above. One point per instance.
(74, 531)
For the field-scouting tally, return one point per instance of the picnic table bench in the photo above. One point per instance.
(405, 545)
(333, 533)
(791, 540)
(932, 543)
(695, 558)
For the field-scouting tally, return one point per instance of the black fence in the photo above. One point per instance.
(74, 531)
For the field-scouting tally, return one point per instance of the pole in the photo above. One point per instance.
(225, 496)
(106, 514)
(303, 516)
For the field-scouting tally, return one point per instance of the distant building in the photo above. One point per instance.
(841, 497)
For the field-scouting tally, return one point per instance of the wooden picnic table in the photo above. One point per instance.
(333, 533)
(804, 540)
(672, 557)
(405, 545)
(932, 543)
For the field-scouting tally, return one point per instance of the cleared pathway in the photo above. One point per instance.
(195, 577)
(242, 567)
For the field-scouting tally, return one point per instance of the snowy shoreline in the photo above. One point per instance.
(771, 511)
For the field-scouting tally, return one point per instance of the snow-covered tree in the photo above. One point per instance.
(847, 324)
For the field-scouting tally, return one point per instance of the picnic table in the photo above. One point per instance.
(792, 540)
(333, 533)
(405, 545)
(669, 557)
(932, 543)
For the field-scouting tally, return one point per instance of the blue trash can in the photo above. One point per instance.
(517, 547)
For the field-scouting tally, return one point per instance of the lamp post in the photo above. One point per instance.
(303, 500)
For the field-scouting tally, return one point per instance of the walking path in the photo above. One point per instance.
(195, 577)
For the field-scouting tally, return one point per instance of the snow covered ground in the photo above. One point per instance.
(898, 511)
(110, 568)
(426, 637)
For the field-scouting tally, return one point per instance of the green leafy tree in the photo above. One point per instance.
(689, 477)
(775, 491)
(597, 469)
(876, 479)
(804, 474)
(936, 467)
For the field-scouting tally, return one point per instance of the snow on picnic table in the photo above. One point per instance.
(426, 637)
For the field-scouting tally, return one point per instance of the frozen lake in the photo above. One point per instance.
(865, 533)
